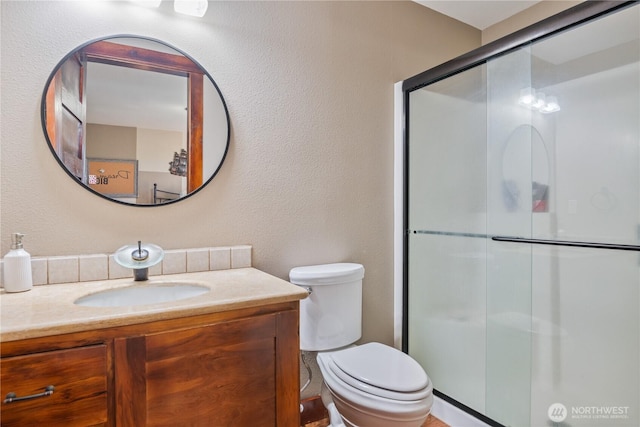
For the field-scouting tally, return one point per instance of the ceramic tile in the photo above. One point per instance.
(156, 270)
(94, 267)
(197, 260)
(240, 256)
(116, 271)
(220, 258)
(63, 269)
(174, 262)
(39, 271)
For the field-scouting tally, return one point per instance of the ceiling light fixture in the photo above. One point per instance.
(535, 100)
(191, 7)
(527, 97)
(551, 106)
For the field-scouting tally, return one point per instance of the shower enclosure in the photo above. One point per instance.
(522, 213)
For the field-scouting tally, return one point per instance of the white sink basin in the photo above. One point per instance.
(142, 294)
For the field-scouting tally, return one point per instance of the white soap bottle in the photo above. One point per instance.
(17, 267)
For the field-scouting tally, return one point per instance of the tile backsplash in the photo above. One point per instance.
(85, 268)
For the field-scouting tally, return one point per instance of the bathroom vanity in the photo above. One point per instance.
(228, 357)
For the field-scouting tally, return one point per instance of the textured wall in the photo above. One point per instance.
(535, 13)
(309, 87)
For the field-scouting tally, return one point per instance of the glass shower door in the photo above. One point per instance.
(470, 297)
(523, 226)
(447, 241)
(517, 181)
(585, 301)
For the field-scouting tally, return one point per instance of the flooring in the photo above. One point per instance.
(315, 415)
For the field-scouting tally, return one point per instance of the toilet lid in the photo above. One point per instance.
(339, 375)
(326, 274)
(377, 366)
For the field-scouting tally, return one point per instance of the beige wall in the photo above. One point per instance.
(535, 13)
(155, 148)
(111, 142)
(309, 87)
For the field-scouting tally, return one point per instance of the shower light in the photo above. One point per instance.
(540, 101)
(191, 7)
(527, 96)
(551, 106)
(532, 99)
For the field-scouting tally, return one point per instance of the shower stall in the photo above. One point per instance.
(522, 222)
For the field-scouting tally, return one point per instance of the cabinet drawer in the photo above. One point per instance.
(79, 377)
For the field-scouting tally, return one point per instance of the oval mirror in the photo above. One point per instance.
(135, 120)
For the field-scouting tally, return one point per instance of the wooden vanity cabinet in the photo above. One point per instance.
(236, 368)
(79, 393)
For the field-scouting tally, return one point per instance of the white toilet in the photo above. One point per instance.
(371, 385)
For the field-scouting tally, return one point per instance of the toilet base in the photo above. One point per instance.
(335, 419)
(345, 414)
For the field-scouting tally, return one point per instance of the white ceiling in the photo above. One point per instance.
(479, 13)
(131, 97)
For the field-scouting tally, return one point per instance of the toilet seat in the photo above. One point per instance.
(380, 370)
(363, 408)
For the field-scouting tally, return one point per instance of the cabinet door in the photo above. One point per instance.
(79, 378)
(222, 374)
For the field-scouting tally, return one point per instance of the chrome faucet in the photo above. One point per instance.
(139, 258)
(140, 255)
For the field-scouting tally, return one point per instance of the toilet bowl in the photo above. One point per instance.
(370, 385)
(374, 385)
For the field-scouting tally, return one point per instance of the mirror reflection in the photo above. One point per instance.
(135, 120)
(525, 171)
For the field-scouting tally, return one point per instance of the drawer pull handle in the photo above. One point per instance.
(12, 397)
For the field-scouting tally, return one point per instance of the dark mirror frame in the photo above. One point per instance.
(202, 70)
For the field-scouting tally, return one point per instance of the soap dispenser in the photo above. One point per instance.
(17, 267)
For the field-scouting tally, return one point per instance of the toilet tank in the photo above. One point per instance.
(331, 316)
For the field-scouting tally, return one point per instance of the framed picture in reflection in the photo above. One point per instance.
(113, 177)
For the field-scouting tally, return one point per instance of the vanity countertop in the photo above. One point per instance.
(50, 310)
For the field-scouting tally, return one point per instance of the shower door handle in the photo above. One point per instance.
(574, 244)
